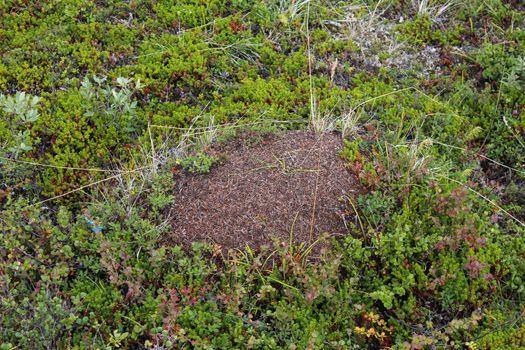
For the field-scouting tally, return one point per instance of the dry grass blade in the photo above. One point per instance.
(81, 188)
(496, 205)
(62, 167)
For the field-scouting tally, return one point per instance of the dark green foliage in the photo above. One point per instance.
(199, 163)
(433, 259)
(423, 32)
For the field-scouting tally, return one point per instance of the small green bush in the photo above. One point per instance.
(199, 163)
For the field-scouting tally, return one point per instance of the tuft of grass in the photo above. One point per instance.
(434, 9)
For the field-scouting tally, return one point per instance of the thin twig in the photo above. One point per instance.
(65, 167)
(80, 188)
(485, 198)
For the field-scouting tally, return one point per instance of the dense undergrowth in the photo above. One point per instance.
(101, 101)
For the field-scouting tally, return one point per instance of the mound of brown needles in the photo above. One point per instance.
(285, 186)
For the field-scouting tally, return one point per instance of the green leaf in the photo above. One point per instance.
(385, 296)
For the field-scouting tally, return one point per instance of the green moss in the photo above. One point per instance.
(422, 31)
(430, 260)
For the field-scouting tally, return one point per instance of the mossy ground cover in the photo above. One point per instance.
(102, 101)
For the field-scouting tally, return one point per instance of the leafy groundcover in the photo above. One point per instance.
(103, 101)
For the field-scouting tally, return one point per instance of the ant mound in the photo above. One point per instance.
(287, 186)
